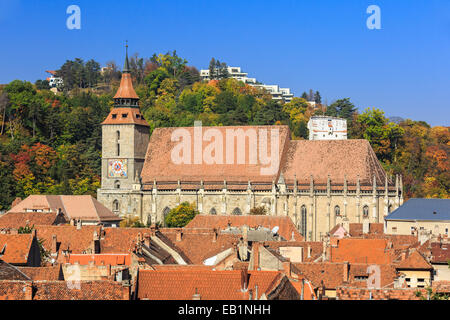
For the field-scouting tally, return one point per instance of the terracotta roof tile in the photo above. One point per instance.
(126, 90)
(116, 259)
(414, 261)
(125, 116)
(82, 207)
(160, 167)
(68, 237)
(337, 158)
(16, 247)
(361, 251)
(16, 220)
(10, 272)
(209, 284)
(43, 273)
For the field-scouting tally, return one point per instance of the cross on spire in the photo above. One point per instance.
(126, 67)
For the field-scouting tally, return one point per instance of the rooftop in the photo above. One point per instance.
(422, 209)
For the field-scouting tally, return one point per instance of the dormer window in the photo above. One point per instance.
(137, 116)
(114, 116)
(124, 115)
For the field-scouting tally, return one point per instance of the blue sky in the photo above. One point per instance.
(404, 68)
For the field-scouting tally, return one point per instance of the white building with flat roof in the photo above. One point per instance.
(327, 128)
(279, 94)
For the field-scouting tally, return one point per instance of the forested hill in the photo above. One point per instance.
(51, 144)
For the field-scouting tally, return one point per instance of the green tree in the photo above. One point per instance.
(181, 215)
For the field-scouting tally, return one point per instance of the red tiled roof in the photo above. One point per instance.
(125, 116)
(414, 261)
(126, 90)
(209, 284)
(43, 273)
(160, 167)
(361, 251)
(68, 237)
(16, 220)
(99, 259)
(82, 207)
(440, 252)
(199, 244)
(16, 247)
(285, 224)
(337, 158)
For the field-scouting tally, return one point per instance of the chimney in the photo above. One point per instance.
(196, 295)
(72, 222)
(403, 255)
(345, 273)
(255, 253)
(179, 234)
(147, 239)
(287, 268)
(245, 232)
(215, 235)
(244, 280)
(28, 291)
(54, 244)
(308, 252)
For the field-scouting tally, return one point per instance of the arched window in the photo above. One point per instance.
(213, 211)
(118, 135)
(117, 184)
(303, 220)
(266, 203)
(237, 212)
(337, 211)
(366, 211)
(116, 206)
(165, 213)
(118, 149)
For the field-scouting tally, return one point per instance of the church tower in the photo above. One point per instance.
(125, 136)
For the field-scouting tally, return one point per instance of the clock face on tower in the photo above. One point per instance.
(117, 168)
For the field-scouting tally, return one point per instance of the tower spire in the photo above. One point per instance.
(126, 66)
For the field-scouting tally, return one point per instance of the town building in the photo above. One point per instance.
(420, 216)
(58, 209)
(327, 128)
(278, 94)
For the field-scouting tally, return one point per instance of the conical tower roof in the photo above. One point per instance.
(126, 90)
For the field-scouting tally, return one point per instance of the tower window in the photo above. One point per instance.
(117, 184)
(116, 206)
(337, 211)
(114, 116)
(365, 211)
(118, 135)
(118, 149)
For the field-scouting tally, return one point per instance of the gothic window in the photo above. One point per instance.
(212, 211)
(337, 211)
(366, 211)
(118, 149)
(165, 213)
(117, 184)
(116, 206)
(303, 221)
(118, 135)
(237, 212)
(266, 203)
